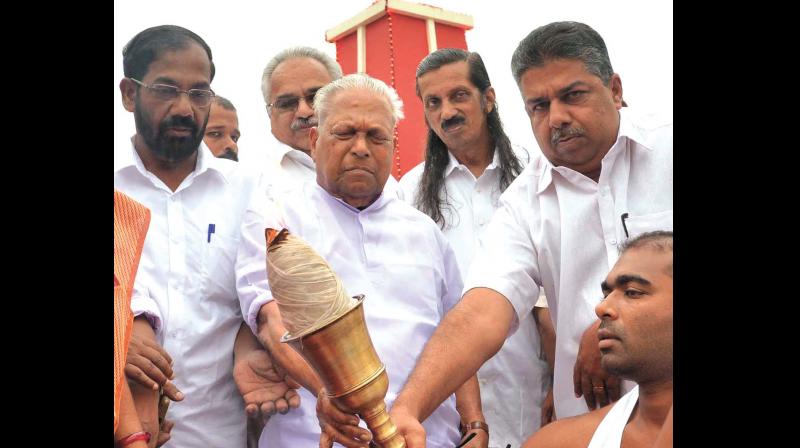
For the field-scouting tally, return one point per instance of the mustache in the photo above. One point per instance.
(303, 123)
(178, 122)
(560, 133)
(450, 122)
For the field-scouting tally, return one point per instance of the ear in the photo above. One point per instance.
(128, 90)
(616, 90)
(490, 99)
(313, 135)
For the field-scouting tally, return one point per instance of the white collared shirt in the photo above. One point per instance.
(391, 253)
(559, 230)
(515, 381)
(186, 285)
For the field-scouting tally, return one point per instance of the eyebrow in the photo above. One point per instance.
(624, 280)
(559, 93)
(166, 80)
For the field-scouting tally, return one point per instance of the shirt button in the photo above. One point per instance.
(613, 242)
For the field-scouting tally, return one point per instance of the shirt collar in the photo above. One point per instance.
(296, 155)
(453, 163)
(375, 206)
(205, 162)
(627, 130)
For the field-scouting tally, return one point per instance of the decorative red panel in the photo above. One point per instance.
(347, 53)
(450, 37)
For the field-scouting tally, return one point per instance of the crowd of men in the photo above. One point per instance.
(516, 296)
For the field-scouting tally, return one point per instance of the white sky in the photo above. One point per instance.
(245, 34)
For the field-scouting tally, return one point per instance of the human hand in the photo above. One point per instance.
(548, 408)
(408, 426)
(151, 366)
(338, 426)
(264, 390)
(164, 432)
(596, 386)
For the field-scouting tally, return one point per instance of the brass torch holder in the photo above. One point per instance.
(355, 379)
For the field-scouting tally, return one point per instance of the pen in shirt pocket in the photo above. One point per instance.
(211, 228)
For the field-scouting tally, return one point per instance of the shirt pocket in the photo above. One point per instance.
(638, 224)
(218, 261)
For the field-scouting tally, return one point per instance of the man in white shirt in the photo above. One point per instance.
(378, 246)
(635, 339)
(289, 83)
(469, 162)
(604, 178)
(187, 313)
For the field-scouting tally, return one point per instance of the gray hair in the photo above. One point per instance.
(333, 68)
(357, 81)
(562, 40)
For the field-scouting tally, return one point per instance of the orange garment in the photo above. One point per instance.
(131, 221)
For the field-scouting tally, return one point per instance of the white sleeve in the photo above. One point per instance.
(141, 301)
(452, 276)
(252, 286)
(506, 261)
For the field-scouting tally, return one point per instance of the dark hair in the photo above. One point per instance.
(659, 240)
(224, 103)
(562, 40)
(148, 45)
(428, 199)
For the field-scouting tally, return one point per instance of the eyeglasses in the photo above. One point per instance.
(164, 92)
(290, 103)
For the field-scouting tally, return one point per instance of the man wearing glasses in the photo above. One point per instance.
(188, 333)
(289, 83)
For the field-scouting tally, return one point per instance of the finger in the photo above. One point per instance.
(281, 406)
(251, 410)
(150, 369)
(336, 415)
(293, 398)
(167, 425)
(577, 380)
(348, 440)
(599, 391)
(155, 346)
(163, 438)
(325, 441)
(134, 373)
(588, 394)
(268, 408)
(171, 391)
(613, 387)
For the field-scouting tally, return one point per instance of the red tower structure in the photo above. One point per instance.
(387, 41)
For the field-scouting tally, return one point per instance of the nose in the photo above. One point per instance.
(605, 309)
(231, 145)
(304, 108)
(448, 110)
(182, 106)
(559, 115)
(360, 149)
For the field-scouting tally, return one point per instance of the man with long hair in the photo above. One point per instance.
(469, 162)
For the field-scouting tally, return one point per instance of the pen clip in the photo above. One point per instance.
(211, 229)
(624, 227)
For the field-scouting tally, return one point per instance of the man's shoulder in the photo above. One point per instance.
(569, 432)
(411, 178)
(652, 130)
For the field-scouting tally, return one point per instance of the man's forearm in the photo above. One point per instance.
(245, 342)
(468, 401)
(146, 402)
(470, 333)
(547, 335)
(270, 330)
